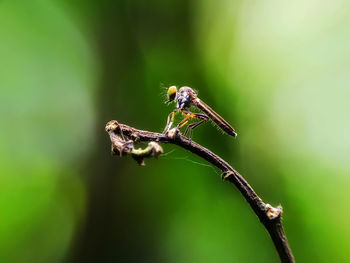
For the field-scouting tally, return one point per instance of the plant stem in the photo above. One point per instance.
(270, 217)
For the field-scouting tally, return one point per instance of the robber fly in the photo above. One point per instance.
(187, 97)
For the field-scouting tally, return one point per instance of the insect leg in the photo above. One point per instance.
(170, 121)
(184, 121)
(203, 118)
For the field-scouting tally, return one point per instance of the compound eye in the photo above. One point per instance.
(172, 93)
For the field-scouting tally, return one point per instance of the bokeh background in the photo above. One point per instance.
(279, 71)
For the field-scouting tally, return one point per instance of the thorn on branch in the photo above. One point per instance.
(273, 212)
(173, 133)
(226, 174)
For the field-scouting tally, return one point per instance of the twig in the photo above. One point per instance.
(270, 217)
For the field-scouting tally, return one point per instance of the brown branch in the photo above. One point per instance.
(270, 217)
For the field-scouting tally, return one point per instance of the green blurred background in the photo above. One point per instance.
(279, 71)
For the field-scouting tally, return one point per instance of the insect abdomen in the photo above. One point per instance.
(216, 118)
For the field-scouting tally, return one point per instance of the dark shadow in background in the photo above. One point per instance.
(110, 231)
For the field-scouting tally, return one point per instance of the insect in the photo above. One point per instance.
(187, 97)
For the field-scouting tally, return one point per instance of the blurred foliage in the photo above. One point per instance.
(277, 70)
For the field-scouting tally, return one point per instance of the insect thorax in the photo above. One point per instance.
(185, 97)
